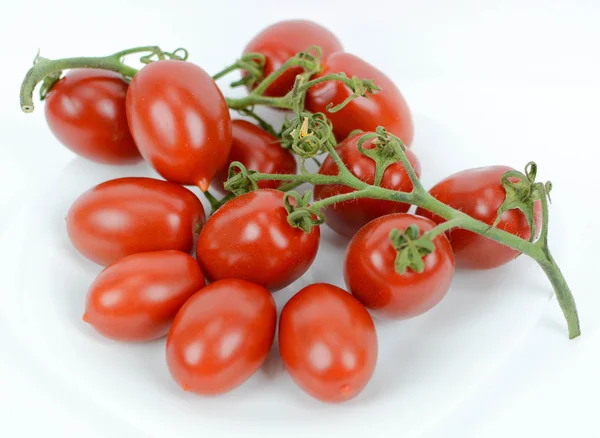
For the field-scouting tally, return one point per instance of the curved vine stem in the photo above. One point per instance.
(43, 68)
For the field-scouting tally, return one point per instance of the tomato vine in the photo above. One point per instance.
(310, 134)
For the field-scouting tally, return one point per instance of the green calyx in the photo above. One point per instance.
(522, 192)
(300, 213)
(411, 248)
(359, 87)
(239, 179)
(387, 149)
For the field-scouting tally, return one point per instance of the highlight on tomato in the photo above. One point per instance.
(328, 342)
(221, 336)
(371, 276)
(387, 108)
(250, 238)
(85, 110)
(125, 216)
(257, 150)
(347, 217)
(479, 193)
(136, 298)
(281, 41)
(180, 121)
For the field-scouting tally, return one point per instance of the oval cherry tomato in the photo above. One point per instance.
(125, 216)
(479, 193)
(386, 108)
(284, 39)
(85, 111)
(328, 342)
(257, 150)
(221, 336)
(371, 276)
(136, 298)
(250, 238)
(180, 121)
(348, 217)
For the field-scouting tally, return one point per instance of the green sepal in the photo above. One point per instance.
(239, 179)
(522, 195)
(300, 213)
(411, 248)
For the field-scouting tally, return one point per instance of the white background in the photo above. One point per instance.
(535, 62)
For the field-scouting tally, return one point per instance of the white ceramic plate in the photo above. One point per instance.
(426, 365)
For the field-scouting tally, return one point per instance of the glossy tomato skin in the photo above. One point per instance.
(136, 298)
(371, 277)
(180, 121)
(249, 238)
(221, 336)
(125, 216)
(85, 111)
(284, 39)
(386, 108)
(328, 342)
(257, 150)
(479, 193)
(346, 218)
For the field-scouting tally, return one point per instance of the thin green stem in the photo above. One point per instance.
(542, 242)
(46, 67)
(214, 202)
(290, 63)
(262, 122)
(563, 292)
(330, 77)
(444, 226)
(122, 53)
(252, 100)
(290, 186)
(225, 71)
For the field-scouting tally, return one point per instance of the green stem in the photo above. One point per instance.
(290, 63)
(563, 292)
(46, 67)
(214, 202)
(252, 100)
(444, 226)
(330, 77)
(225, 71)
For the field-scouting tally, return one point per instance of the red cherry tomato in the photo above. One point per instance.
(328, 342)
(370, 273)
(85, 110)
(348, 217)
(386, 108)
(180, 121)
(221, 336)
(257, 150)
(125, 216)
(250, 238)
(281, 41)
(479, 193)
(137, 297)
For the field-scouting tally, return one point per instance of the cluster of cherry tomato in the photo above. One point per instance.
(143, 230)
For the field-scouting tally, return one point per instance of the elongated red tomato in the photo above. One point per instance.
(479, 193)
(386, 108)
(348, 217)
(180, 121)
(85, 111)
(257, 150)
(284, 39)
(250, 238)
(125, 216)
(328, 342)
(137, 297)
(370, 274)
(221, 336)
